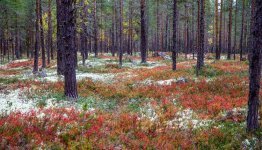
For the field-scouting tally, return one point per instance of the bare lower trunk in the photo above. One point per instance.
(68, 33)
(37, 38)
(174, 50)
(229, 29)
(143, 32)
(200, 56)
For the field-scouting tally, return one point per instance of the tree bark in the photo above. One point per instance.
(220, 30)
(60, 45)
(235, 36)
(95, 30)
(242, 30)
(143, 32)
(121, 34)
(42, 36)
(68, 33)
(37, 38)
(229, 30)
(216, 30)
(174, 49)
(250, 29)
(50, 36)
(200, 56)
(255, 69)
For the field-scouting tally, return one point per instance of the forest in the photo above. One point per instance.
(130, 74)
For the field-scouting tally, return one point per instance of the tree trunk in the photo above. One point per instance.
(42, 36)
(200, 56)
(174, 49)
(216, 31)
(157, 25)
(50, 36)
(235, 36)
(229, 29)
(37, 38)
(242, 30)
(255, 69)
(95, 30)
(60, 45)
(251, 27)
(143, 32)
(68, 33)
(121, 33)
(220, 30)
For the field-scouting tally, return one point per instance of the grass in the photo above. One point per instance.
(9, 80)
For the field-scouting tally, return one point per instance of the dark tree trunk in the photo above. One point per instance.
(60, 45)
(250, 29)
(186, 39)
(37, 38)
(130, 27)
(83, 36)
(242, 30)
(216, 31)
(68, 33)
(157, 26)
(193, 29)
(121, 33)
(42, 36)
(229, 30)
(17, 50)
(220, 30)
(235, 36)
(50, 36)
(174, 49)
(200, 55)
(95, 30)
(143, 32)
(255, 69)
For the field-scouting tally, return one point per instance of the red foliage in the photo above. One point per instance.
(57, 125)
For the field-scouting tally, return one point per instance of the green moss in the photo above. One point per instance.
(8, 80)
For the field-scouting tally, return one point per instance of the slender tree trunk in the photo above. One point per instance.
(143, 32)
(42, 36)
(60, 45)
(17, 52)
(174, 49)
(50, 36)
(186, 48)
(235, 36)
(220, 30)
(68, 33)
(37, 38)
(200, 56)
(157, 25)
(83, 33)
(121, 34)
(216, 30)
(95, 29)
(251, 27)
(193, 29)
(255, 69)
(113, 31)
(131, 28)
(242, 30)
(229, 29)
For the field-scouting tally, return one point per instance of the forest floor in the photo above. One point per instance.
(137, 106)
